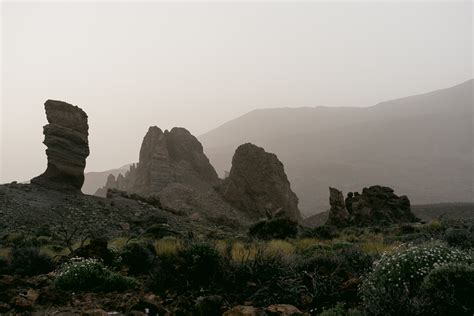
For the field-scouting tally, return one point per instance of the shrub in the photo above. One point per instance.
(91, 275)
(197, 265)
(392, 285)
(459, 237)
(201, 264)
(138, 257)
(279, 228)
(324, 232)
(448, 290)
(4, 266)
(340, 310)
(29, 261)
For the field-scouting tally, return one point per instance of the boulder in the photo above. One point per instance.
(283, 310)
(66, 138)
(242, 310)
(257, 184)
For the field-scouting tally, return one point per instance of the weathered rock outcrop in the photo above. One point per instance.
(377, 205)
(166, 158)
(173, 168)
(66, 137)
(338, 215)
(257, 184)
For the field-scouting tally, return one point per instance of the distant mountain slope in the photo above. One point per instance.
(95, 180)
(421, 146)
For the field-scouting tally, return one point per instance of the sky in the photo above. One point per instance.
(197, 65)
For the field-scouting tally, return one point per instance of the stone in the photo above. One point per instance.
(283, 310)
(165, 158)
(66, 138)
(243, 310)
(258, 185)
(338, 214)
(174, 170)
(209, 305)
(376, 205)
(25, 301)
(94, 312)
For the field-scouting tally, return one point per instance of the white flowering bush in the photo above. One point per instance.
(393, 284)
(90, 275)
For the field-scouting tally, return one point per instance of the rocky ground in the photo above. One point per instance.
(28, 208)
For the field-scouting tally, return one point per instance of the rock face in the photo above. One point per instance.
(66, 138)
(338, 215)
(377, 205)
(166, 158)
(257, 184)
(173, 167)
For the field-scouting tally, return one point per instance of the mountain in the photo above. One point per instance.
(421, 146)
(95, 180)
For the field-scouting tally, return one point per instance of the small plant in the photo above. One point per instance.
(197, 266)
(91, 275)
(30, 261)
(279, 228)
(325, 232)
(201, 263)
(459, 237)
(340, 310)
(393, 284)
(138, 257)
(448, 290)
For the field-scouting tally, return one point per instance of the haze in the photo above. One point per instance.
(197, 65)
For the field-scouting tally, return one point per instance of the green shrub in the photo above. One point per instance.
(340, 310)
(29, 261)
(4, 266)
(448, 290)
(138, 257)
(325, 232)
(393, 284)
(279, 228)
(197, 265)
(91, 275)
(459, 237)
(201, 264)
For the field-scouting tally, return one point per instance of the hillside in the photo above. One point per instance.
(421, 146)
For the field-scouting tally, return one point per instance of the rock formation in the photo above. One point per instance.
(173, 168)
(377, 205)
(338, 215)
(66, 138)
(257, 184)
(166, 158)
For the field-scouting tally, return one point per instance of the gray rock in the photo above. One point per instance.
(257, 184)
(66, 138)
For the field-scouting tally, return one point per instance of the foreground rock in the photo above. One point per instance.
(377, 205)
(257, 184)
(66, 137)
(276, 309)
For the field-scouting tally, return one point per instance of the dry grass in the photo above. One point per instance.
(280, 247)
(376, 247)
(168, 246)
(5, 252)
(118, 243)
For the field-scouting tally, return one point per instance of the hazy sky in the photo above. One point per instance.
(132, 65)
